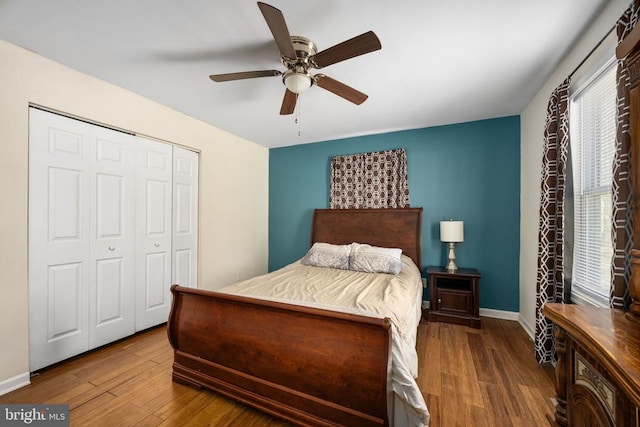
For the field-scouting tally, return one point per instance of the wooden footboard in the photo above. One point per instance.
(305, 365)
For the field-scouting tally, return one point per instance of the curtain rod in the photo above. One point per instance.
(592, 50)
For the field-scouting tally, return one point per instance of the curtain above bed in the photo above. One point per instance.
(370, 180)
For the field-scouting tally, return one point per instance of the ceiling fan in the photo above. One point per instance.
(299, 54)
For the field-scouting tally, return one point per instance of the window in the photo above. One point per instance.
(593, 131)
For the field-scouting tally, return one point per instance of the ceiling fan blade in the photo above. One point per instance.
(288, 103)
(340, 89)
(243, 75)
(278, 26)
(359, 45)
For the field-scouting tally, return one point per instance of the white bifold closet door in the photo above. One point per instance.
(167, 227)
(185, 217)
(112, 224)
(154, 172)
(81, 243)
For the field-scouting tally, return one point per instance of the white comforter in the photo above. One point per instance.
(397, 297)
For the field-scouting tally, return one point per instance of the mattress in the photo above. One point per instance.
(397, 297)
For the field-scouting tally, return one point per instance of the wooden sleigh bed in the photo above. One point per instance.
(307, 365)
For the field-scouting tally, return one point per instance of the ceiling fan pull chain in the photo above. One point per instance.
(298, 116)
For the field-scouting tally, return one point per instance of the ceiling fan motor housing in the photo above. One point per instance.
(297, 78)
(304, 49)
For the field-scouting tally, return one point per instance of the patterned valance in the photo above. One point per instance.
(370, 180)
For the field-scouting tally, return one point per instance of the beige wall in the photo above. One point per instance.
(233, 182)
(531, 142)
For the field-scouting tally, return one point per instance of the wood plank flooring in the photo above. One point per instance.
(469, 377)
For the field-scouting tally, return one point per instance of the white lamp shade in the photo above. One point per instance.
(451, 231)
(297, 82)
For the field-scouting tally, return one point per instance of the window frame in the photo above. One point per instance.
(582, 293)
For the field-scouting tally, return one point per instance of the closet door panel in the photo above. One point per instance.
(112, 305)
(155, 219)
(183, 272)
(153, 252)
(109, 210)
(185, 217)
(64, 200)
(156, 265)
(59, 238)
(109, 291)
(64, 296)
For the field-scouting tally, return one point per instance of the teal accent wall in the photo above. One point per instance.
(467, 171)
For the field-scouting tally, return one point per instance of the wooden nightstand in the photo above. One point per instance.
(454, 296)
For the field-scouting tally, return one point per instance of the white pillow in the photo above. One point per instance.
(328, 255)
(373, 259)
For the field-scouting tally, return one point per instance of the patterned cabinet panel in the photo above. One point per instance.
(591, 394)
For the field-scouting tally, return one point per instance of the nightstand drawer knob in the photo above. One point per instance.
(439, 300)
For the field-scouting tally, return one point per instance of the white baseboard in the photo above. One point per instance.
(489, 312)
(499, 314)
(14, 383)
(527, 328)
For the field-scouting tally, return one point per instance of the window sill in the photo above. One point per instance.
(582, 298)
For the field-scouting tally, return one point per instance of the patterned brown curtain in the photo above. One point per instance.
(370, 180)
(622, 227)
(550, 282)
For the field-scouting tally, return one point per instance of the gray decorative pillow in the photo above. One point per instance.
(373, 259)
(328, 255)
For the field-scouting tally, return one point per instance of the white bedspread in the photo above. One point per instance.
(398, 297)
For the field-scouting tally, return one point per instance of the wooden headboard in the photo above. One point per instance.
(389, 228)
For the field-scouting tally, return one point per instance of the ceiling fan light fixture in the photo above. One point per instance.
(297, 82)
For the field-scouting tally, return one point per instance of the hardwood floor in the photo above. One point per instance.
(485, 377)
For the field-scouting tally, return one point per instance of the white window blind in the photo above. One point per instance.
(593, 132)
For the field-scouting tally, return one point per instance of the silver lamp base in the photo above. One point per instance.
(451, 265)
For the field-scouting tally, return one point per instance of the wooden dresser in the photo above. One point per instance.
(598, 370)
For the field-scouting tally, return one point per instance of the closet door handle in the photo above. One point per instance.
(111, 248)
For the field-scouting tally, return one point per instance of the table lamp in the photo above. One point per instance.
(451, 232)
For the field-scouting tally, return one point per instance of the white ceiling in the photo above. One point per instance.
(442, 61)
